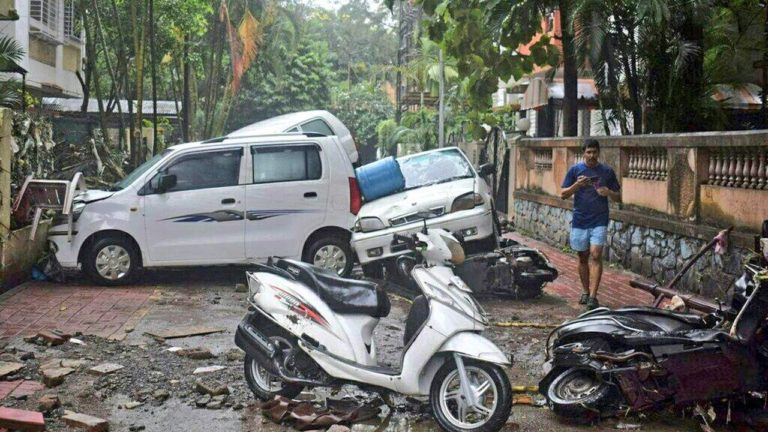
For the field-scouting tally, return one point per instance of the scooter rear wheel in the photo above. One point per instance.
(491, 388)
(262, 383)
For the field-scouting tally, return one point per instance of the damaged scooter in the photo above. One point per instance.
(310, 328)
(642, 358)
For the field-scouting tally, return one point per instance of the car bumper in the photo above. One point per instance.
(66, 251)
(377, 245)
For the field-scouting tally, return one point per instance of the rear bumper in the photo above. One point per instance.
(478, 219)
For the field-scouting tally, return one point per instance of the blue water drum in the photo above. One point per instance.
(380, 178)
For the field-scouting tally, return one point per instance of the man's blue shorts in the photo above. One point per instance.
(583, 238)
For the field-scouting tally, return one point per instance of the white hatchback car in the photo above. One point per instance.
(231, 200)
(441, 182)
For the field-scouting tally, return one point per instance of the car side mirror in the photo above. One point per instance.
(486, 169)
(165, 182)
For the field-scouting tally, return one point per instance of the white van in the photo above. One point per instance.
(232, 200)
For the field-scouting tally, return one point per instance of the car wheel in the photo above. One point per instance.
(112, 260)
(331, 253)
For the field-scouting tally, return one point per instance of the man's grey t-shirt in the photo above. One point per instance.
(589, 208)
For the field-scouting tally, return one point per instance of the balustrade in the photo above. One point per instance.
(542, 159)
(648, 164)
(743, 167)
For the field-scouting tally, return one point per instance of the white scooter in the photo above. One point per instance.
(310, 328)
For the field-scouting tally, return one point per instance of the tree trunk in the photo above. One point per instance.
(91, 54)
(153, 61)
(186, 102)
(121, 82)
(441, 105)
(570, 73)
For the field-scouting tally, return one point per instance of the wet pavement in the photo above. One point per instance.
(208, 297)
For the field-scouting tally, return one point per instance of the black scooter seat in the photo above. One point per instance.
(692, 319)
(344, 296)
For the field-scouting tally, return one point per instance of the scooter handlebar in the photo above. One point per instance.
(403, 239)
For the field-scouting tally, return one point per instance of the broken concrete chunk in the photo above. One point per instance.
(208, 369)
(8, 368)
(174, 349)
(16, 419)
(51, 364)
(133, 405)
(55, 376)
(196, 353)
(48, 402)
(161, 394)
(241, 288)
(74, 364)
(235, 355)
(203, 401)
(76, 341)
(87, 422)
(105, 369)
(177, 332)
(211, 389)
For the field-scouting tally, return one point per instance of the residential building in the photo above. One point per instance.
(53, 44)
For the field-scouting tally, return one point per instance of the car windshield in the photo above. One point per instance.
(434, 167)
(141, 169)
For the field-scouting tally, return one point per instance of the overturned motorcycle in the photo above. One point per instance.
(311, 328)
(511, 270)
(644, 358)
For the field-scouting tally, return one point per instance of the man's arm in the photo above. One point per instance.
(613, 191)
(568, 191)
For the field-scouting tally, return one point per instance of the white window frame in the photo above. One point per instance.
(45, 18)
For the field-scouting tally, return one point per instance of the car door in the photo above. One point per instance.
(200, 220)
(286, 200)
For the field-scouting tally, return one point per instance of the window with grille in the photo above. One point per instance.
(71, 24)
(45, 12)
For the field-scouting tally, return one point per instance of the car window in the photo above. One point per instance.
(317, 126)
(286, 163)
(205, 170)
(434, 167)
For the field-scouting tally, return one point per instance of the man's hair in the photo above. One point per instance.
(590, 143)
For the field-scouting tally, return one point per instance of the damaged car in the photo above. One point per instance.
(283, 187)
(441, 183)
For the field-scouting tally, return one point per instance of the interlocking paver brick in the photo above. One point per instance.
(36, 306)
(614, 287)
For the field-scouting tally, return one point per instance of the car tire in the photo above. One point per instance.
(332, 253)
(112, 260)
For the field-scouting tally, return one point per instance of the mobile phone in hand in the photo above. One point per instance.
(594, 180)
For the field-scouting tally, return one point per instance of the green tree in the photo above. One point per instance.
(362, 108)
(10, 53)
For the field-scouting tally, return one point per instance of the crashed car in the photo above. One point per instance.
(282, 187)
(440, 182)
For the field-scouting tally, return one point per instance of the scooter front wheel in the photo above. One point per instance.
(490, 392)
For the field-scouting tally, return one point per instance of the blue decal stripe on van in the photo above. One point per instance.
(216, 216)
(266, 214)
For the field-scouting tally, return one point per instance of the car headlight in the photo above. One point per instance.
(368, 224)
(467, 201)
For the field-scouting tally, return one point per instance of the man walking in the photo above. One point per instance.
(591, 183)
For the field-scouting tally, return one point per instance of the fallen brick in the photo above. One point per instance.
(8, 368)
(87, 422)
(196, 353)
(55, 376)
(48, 402)
(52, 338)
(16, 419)
(105, 369)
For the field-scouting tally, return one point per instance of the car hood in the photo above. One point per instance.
(415, 200)
(92, 195)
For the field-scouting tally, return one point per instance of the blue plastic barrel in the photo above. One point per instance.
(380, 178)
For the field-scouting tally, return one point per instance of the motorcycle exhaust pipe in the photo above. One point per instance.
(255, 344)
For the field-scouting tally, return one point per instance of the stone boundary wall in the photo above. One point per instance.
(657, 254)
(678, 191)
